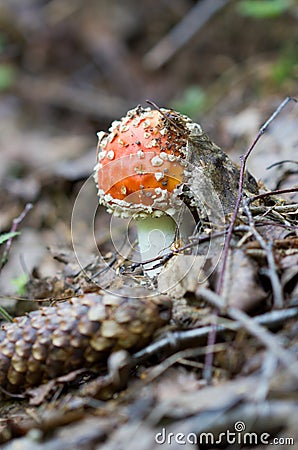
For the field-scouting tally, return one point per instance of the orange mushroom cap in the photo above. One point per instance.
(141, 162)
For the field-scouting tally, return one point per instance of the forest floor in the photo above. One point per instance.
(67, 70)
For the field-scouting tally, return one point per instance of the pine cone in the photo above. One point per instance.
(80, 333)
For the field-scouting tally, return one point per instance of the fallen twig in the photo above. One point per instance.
(177, 357)
(283, 209)
(178, 340)
(276, 192)
(280, 163)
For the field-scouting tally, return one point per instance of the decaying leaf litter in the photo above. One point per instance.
(244, 354)
(194, 315)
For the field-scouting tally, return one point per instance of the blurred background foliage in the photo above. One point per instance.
(92, 60)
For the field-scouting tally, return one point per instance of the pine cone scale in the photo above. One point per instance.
(81, 333)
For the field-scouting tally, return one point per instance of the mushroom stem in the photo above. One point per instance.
(156, 235)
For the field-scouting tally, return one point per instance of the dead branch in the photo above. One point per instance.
(178, 340)
(276, 192)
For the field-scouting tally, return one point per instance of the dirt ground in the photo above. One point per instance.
(67, 70)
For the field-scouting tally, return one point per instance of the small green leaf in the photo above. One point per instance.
(192, 102)
(6, 236)
(20, 283)
(263, 9)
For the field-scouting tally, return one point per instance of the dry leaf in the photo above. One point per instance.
(183, 273)
(241, 288)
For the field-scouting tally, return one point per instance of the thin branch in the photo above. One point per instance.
(211, 343)
(166, 116)
(37, 300)
(15, 223)
(283, 209)
(101, 271)
(156, 371)
(280, 163)
(240, 189)
(277, 192)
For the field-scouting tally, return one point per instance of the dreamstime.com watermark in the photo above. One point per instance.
(237, 436)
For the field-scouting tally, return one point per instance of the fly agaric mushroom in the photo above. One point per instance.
(140, 164)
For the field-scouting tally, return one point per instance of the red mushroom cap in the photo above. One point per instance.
(140, 162)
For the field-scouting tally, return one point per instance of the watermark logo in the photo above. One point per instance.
(238, 436)
(239, 426)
